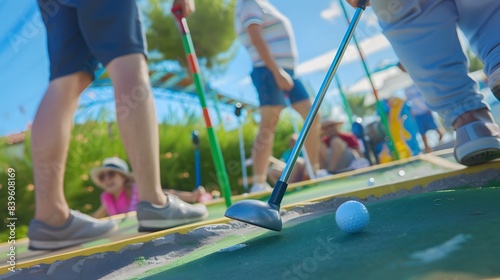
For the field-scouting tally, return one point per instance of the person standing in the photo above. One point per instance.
(424, 36)
(268, 36)
(81, 34)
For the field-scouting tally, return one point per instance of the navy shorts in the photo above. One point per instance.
(425, 122)
(83, 33)
(270, 94)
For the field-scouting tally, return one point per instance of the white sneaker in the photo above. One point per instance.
(260, 187)
(360, 163)
(322, 173)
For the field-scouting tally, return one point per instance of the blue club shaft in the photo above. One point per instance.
(280, 187)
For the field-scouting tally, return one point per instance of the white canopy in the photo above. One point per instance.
(322, 62)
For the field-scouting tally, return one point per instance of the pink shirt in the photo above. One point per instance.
(122, 204)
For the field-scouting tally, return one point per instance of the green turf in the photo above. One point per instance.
(449, 157)
(413, 169)
(224, 244)
(446, 233)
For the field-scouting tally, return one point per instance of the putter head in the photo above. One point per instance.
(257, 213)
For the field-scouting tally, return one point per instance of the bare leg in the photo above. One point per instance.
(274, 174)
(440, 133)
(263, 144)
(299, 171)
(50, 135)
(427, 148)
(137, 123)
(322, 155)
(312, 141)
(337, 148)
(191, 197)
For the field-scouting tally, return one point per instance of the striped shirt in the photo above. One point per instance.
(276, 30)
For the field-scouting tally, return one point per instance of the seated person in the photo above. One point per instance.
(120, 191)
(339, 150)
(299, 170)
(349, 138)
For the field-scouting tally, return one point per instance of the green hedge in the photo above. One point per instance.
(91, 142)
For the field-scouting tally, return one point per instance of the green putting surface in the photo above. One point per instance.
(449, 157)
(391, 174)
(451, 234)
(414, 233)
(383, 176)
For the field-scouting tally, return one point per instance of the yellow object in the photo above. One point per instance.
(397, 130)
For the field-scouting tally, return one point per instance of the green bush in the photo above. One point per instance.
(93, 141)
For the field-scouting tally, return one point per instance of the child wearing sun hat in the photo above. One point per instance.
(120, 191)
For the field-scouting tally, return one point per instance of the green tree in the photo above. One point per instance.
(211, 27)
(358, 107)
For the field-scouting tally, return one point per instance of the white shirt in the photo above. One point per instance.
(276, 30)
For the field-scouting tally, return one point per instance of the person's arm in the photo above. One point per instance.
(283, 80)
(355, 145)
(359, 151)
(187, 6)
(322, 155)
(100, 212)
(354, 3)
(277, 162)
(338, 147)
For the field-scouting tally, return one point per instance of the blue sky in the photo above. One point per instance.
(318, 27)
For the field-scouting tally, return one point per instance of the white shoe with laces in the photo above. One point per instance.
(260, 187)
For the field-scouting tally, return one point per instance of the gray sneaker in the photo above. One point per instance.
(477, 142)
(177, 212)
(78, 229)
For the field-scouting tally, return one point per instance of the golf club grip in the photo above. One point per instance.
(195, 138)
(362, 4)
(177, 12)
(237, 110)
(181, 20)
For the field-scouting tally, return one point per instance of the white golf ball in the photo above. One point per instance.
(352, 216)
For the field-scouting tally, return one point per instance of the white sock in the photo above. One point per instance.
(259, 179)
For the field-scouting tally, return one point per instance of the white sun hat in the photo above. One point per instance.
(111, 164)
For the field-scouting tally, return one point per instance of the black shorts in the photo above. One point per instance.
(83, 33)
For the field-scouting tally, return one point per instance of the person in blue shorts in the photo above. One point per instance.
(421, 113)
(81, 34)
(424, 36)
(268, 36)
